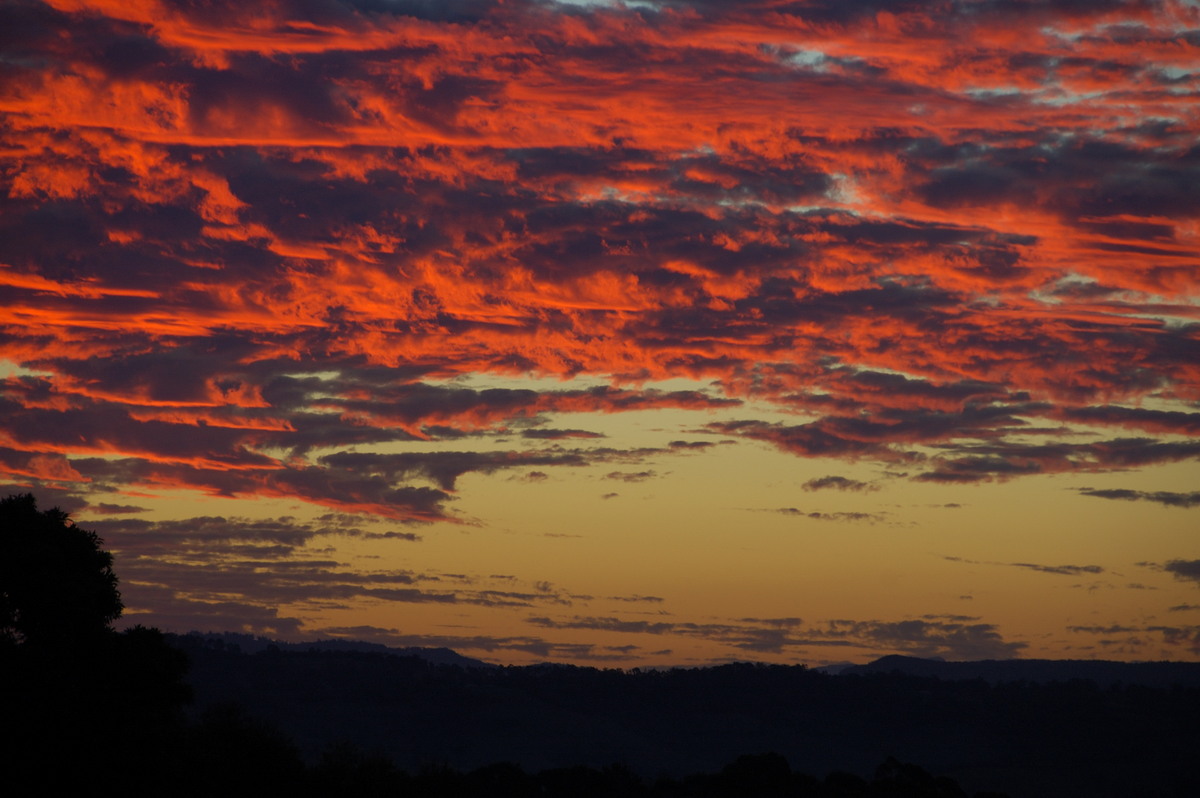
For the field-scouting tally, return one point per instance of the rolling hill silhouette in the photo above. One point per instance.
(1104, 673)
(1025, 728)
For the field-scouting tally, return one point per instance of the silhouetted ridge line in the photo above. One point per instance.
(1030, 739)
(237, 642)
(1104, 673)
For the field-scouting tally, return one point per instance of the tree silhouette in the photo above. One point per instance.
(77, 696)
(57, 585)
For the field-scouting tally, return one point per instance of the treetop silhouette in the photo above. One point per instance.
(57, 584)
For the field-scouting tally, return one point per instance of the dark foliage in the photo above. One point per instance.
(78, 698)
(57, 585)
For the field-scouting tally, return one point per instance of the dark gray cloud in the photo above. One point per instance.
(558, 434)
(1001, 460)
(631, 476)
(1144, 639)
(1104, 630)
(952, 640)
(392, 535)
(191, 573)
(139, 535)
(104, 508)
(1059, 570)
(889, 434)
(926, 638)
(1176, 421)
(836, 482)
(164, 608)
(1184, 569)
(48, 496)
(852, 515)
(444, 468)
(1165, 498)
(359, 482)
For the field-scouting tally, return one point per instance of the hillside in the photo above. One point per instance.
(1027, 737)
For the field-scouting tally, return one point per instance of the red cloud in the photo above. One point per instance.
(927, 230)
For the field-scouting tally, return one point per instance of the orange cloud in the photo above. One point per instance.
(890, 219)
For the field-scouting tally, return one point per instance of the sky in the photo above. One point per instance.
(652, 333)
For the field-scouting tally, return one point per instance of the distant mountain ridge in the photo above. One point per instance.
(252, 644)
(1105, 673)
(1032, 729)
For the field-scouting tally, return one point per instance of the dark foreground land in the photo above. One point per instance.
(1021, 728)
(137, 713)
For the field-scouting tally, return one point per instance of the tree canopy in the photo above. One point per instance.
(56, 581)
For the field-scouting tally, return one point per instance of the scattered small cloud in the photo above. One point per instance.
(638, 476)
(1164, 641)
(1163, 497)
(1112, 629)
(114, 509)
(559, 434)
(1061, 570)
(1184, 569)
(391, 535)
(838, 483)
(926, 637)
(837, 516)
(951, 617)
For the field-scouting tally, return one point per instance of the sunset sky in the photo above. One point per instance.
(669, 332)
